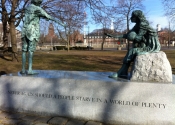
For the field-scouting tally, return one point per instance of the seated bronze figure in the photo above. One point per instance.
(145, 40)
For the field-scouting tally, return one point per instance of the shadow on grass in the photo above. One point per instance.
(2, 56)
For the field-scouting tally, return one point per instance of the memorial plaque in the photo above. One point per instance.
(77, 94)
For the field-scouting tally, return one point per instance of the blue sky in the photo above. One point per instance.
(154, 12)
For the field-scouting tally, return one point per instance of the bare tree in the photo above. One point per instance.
(124, 8)
(12, 12)
(4, 20)
(169, 6)
(101, 15)
(70, 12)
(104, 31)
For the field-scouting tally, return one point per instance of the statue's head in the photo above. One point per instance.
(36, 2)
(137, 15)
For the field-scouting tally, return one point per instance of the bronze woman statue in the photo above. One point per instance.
(31, 32)
(145, 40)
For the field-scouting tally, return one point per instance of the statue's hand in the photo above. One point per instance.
(105, 34)
(109, 35)
(138, 38)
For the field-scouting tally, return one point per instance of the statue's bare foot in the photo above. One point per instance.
(115, 75)
(31, 72)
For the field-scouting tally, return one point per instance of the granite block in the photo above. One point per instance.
(109, 101)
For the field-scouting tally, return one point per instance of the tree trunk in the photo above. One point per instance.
(13, 32)
(104, 37)
(68, 46)
(5, 27)
(5, 37)
(13, 42)
(102, 44)
(68, 41)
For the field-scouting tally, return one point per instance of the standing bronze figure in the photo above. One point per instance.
(145, 40)
(31, 32)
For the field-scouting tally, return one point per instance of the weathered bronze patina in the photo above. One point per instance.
(31, 32)
(145, 40)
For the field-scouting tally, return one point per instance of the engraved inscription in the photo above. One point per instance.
(91, 99)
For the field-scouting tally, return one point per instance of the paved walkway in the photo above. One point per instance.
(11, 118)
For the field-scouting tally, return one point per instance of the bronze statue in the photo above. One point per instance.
(145, 40)
(31, 32)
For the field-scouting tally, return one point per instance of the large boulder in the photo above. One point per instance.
(152, 67)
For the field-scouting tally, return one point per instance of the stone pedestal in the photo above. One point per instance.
(89, 96)
(152, 67)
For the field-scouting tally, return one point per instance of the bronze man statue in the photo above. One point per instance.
(145, 40)
(31, 32)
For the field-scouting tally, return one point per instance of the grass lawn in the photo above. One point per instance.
(75, 61)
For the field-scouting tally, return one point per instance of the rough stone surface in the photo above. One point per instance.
(10, 122)
(41, 124)
(25, 122)
(109, 102)
(3, 115)
(40, 121)
(93, 123)
(58, 121)
(76, 122)
(30, 118)
(43, 120)
(152, 67)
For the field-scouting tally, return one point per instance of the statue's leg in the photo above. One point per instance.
(23, 62)
(123, 71)
(30, 58)
(24, 51)
(30, 61)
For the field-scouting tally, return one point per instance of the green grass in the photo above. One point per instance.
(75, 61)
(171, 57)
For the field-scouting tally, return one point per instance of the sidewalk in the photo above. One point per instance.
(11, 118)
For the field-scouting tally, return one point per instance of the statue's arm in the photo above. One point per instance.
(114, 36)
(43, 14)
